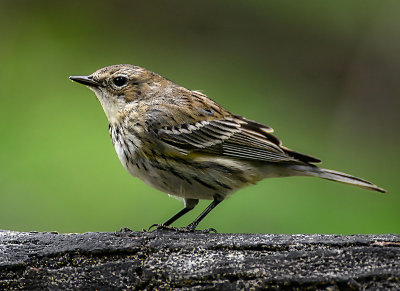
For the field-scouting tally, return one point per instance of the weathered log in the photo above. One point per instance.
(193, 260)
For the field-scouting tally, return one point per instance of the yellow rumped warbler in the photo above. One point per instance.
(182, 143)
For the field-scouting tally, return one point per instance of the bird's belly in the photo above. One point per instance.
(176, 182)
(196, 179)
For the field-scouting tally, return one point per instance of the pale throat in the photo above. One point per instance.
(111, 107)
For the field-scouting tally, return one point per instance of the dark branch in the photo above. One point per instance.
(165, 259)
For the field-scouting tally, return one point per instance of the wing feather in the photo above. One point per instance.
(226, 138)
(223, 134)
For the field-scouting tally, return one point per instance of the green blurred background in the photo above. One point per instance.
(323, 74)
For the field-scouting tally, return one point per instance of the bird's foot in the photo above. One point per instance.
(188, 228)
(208, 230)
(125, 229)
(157, 226)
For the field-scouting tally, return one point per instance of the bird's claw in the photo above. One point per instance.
(125, 229)
(188, 228)
(160, 227)
(210, 230)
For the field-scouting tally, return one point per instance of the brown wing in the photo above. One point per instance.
(266, 131)
(234, 137)
(218, 132)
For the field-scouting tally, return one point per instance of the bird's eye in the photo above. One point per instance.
(120, 81)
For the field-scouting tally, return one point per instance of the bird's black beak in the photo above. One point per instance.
(85, 80)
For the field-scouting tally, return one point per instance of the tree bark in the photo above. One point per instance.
(165, 259)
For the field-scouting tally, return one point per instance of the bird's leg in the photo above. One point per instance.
(193, 225)
(190, 204)
(177, 216)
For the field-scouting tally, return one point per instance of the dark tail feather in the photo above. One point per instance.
(337, 176)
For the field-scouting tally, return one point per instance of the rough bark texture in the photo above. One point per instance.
(170, 259)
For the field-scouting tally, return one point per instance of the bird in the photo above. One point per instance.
(183, 143)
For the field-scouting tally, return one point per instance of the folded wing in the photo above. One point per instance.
(233, 136)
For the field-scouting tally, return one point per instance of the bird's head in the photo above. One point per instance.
(118, 86)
